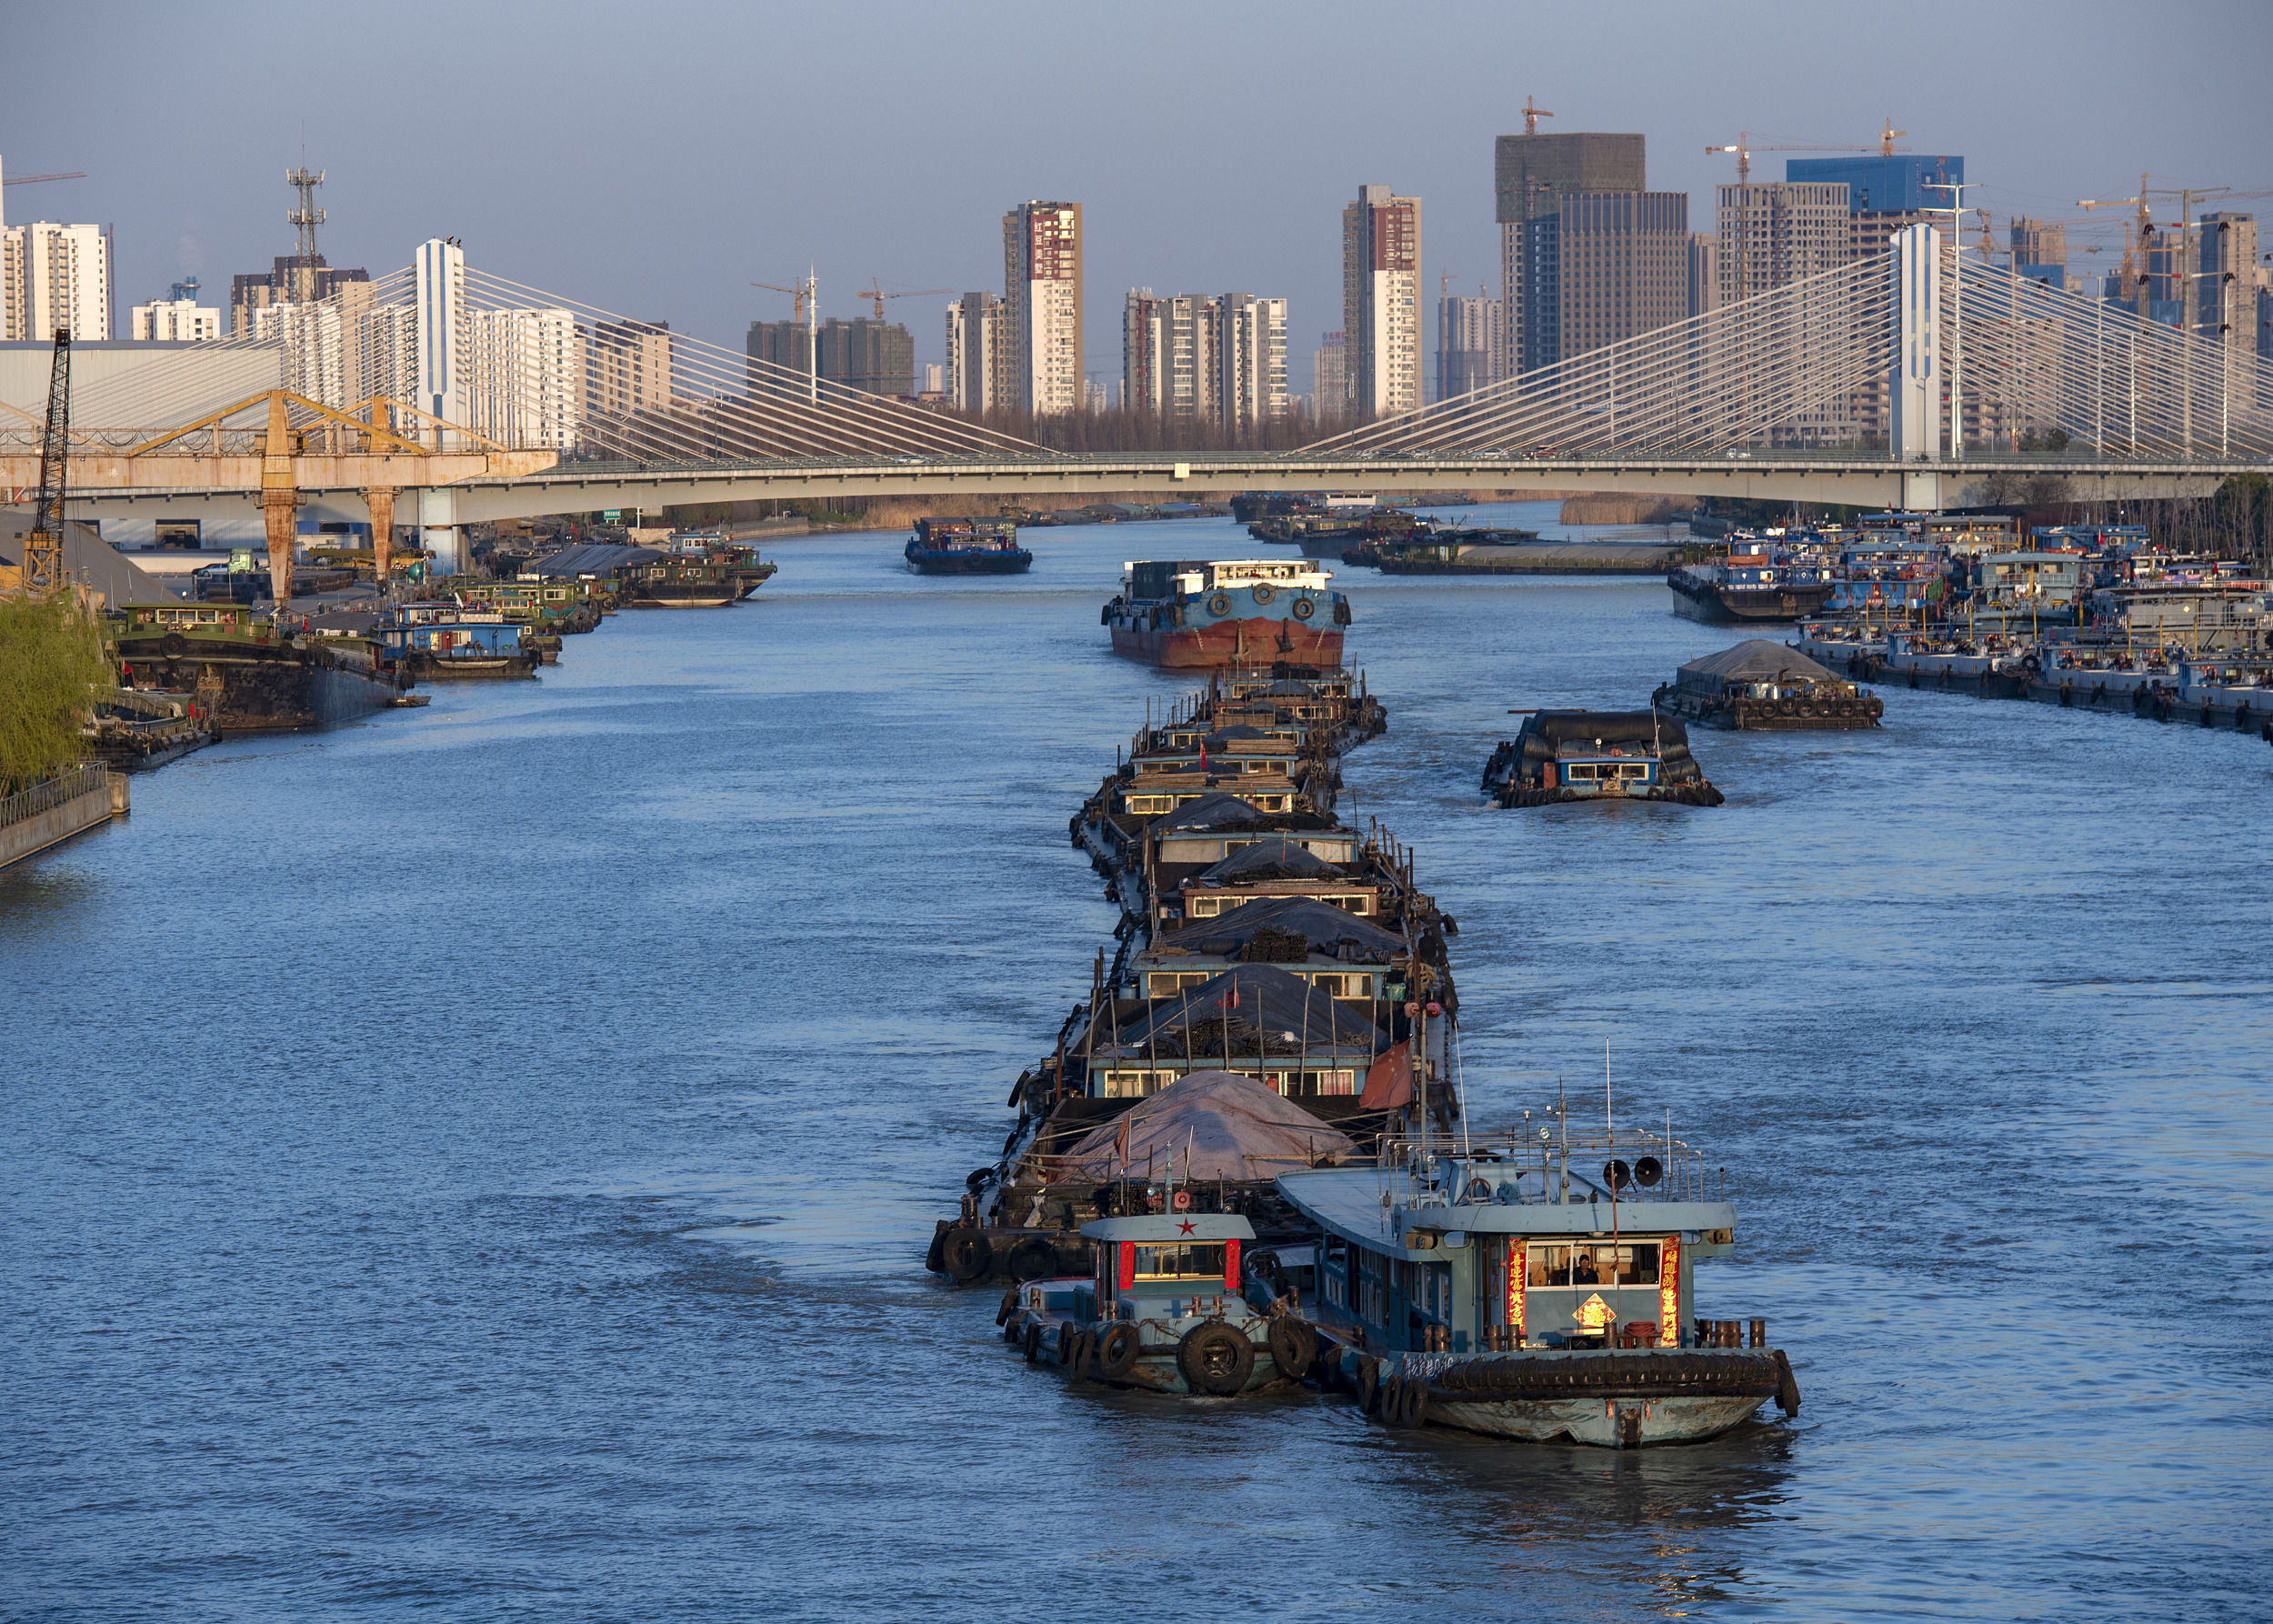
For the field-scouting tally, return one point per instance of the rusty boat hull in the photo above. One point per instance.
(1254, 641)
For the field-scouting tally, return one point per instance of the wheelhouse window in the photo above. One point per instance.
(1184, 1260)
(1631, 1263)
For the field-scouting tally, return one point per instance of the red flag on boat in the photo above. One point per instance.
(1203, 754)
(1230, 1001)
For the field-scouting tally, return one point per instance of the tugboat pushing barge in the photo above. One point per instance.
(1502, 1292)
(1598, 755)
(966, 547)
(1185, 616)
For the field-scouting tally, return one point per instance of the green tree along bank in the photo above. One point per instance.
(51, 664)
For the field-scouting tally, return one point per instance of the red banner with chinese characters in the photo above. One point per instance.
(1515, 1289)
(1128, 1265)
(1669, 1292)
(1231, 1266)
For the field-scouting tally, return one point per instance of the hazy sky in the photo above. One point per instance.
(653, 159)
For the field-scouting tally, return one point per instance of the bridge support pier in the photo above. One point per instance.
(439, 531)
(279, 499)
(380, 499)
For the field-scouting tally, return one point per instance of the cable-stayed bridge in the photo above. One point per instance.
(1906, 379)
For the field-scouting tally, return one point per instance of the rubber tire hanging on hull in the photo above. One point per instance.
(1294, 1346)
(1214, 1358)
(968, 1255)
(1117, 1350)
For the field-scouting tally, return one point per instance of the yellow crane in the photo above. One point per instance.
(1744, 149)
(876, 295)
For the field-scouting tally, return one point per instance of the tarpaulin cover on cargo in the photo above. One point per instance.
(1754, 660)
(1214, 1125)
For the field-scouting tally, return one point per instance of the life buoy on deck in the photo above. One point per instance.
(1262, 593)
(1219, 605)
(1305, 607)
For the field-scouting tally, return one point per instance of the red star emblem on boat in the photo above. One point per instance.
(1186, 1226)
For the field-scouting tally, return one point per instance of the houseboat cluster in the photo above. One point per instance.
(2088, 617)
(225, 661)
(1243, 1160)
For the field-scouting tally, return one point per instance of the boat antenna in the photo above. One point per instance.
(1562, 1121)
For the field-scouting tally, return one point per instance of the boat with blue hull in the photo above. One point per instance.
(966, 547)
(1163, 1312)
(1501, 1291)
(1602, 756)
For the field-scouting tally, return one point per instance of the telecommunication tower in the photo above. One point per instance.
(307, 217)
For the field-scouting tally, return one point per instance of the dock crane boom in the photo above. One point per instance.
(43, 547)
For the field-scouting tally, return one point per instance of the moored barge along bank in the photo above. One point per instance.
(1764, 687)
(245, 673)
(1598, 755)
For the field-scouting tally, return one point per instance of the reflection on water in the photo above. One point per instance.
(479, 1160)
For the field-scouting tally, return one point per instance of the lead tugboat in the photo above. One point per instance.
(1163, 1311)
(1598, 755)
(966, 547)
(1503, 1292)
(1231, 612)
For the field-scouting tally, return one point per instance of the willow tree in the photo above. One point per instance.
(51, 664)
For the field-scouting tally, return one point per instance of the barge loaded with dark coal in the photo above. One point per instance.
(1600, 755)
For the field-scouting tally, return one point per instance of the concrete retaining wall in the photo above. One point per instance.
(53, 813)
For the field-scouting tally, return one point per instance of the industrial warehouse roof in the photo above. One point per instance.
(589, 559)
(1329, 930)
(1214, 1125)
(1757, 660)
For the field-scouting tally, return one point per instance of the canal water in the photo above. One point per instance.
(478, 1163)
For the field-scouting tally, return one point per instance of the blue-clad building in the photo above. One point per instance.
(1875, 184)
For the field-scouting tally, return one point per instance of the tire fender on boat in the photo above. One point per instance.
(1118, 1349)
(967, 1253)
(1294, 1346)
(1009, 1301)
(1203, 1345)
(1033, 1342)
(1786, 1385)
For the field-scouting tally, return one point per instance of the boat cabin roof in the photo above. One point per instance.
(1154, 1228)
(1387, 1209)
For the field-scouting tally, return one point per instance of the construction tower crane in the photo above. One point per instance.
(876, 295)
(43, 548)
(807, 309)
(33, 180)
(1531, 116)
(1744, 149)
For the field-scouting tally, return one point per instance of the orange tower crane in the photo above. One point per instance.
(874, 292)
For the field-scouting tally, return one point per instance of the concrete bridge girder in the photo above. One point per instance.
(481, 492)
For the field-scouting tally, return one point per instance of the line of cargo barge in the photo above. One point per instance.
(1243, 1160)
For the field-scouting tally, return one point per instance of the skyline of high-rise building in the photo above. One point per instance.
(173, 321)
(1381, 304)
(1043, 308)
(1468, 343)
(54, 275)
(1530, 173)
(974, 360)
(1251, 360)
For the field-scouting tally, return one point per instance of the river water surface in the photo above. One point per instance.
(478, 1163)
